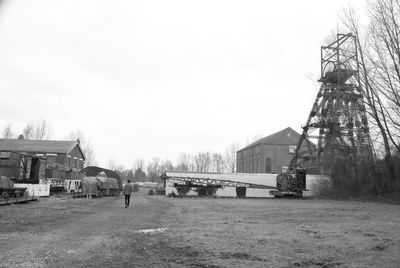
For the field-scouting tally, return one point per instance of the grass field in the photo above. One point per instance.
(199, 232)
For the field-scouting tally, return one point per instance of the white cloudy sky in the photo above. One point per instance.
(150, 78)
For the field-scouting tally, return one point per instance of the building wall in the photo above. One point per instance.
(67, 165)
(267, 158)
(9, 167)
(76, 158)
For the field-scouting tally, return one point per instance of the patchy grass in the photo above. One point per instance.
(199, 232)
(288, 233)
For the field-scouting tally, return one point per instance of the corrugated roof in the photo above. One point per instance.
(37, 146)
(284, 136)
(93, 171)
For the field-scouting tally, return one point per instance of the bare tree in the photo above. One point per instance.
(111, 164)
(202, 161)
(7, 132)
(119, 169)
(27, 132)
(166, 165)
(385, 32)
(85, 144)
(37, 130)
(217, 162)
(379, 62)
(183, 162)
(153, 169)
(370, 92)
(230, 157)
(138, 164)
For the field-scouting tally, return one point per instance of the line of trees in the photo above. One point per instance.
(34, 130)
(195, 162)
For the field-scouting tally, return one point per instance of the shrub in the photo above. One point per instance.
(366, 179)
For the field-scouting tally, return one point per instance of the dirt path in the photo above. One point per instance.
(97, 233)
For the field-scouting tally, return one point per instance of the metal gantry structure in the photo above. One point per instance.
(337, 122)
(216, 182)
(207, 186)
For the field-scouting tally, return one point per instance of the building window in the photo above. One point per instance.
(4, 155)
(51, 158)
(292, 149)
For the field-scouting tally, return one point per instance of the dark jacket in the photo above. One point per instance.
(128, 189)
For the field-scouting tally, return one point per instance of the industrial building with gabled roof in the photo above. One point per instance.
(273, 153)
(21, 159)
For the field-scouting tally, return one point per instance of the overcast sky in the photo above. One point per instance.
(153, 78)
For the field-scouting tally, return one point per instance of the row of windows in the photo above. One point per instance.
(246, 168)
(74, 162)
(248, 153)
(4, 155)
(255, 166)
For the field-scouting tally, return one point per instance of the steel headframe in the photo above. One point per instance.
(337, 122)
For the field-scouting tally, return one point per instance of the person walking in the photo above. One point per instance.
(128, 189)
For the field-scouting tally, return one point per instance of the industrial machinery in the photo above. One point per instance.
(290, 184)
(8, 191)
(18, 168)
(208, 186)
(337, 117)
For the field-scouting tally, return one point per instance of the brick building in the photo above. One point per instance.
(273, 153)
(31, 160)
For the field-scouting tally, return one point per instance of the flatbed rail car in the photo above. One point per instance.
(10, 194)
(17, 197)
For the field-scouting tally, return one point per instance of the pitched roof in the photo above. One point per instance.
(285, 136)
(38, 146)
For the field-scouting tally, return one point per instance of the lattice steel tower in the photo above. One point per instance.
(337, 122)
